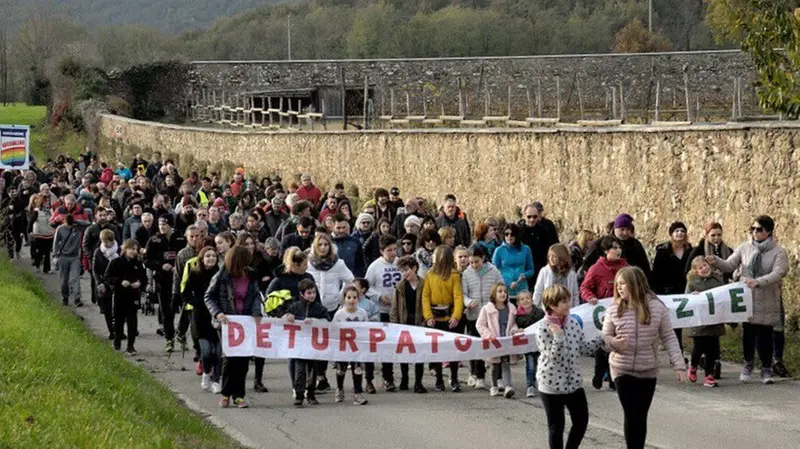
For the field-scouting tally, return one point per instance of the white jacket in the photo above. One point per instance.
(331, 283)
(477, 287)
(546, 279)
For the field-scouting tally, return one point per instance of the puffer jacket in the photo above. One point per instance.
(42, 227)
(219, 296)
(330, 282)
(488, 324)
(767, 295)
(477, 286)
(639, 358)
(547, 278)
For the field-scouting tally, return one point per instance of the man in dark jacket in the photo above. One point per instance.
(275, 216)
(632, 250)
(453, 217)
(160, 257)
(302, 238)
(348, 248)
(539, 234)
(411, 208)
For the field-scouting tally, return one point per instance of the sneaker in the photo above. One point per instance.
(501, 384)
(111, 336)
(239, 402)
(455, 386)
(766, 376)
(597, 382)
(691, 374)
(216, 388)
(389, 386)
(439, 385)
(531, 392)
(779, 370)
(225, 401)
(78, 303)
(472, 380)
(480, 384)
(747, 373)
(509, 393)
(170, 346)
(131, 351)
(710, 382)
(294, 393)
(419, 389)
(199, 368)
(494, 391)
(182, 341)
(160, 331)
(65, 301)
(370, 388)
(311, 400)
(432, 371)
(339, 396)
(323, 386)
(260, 388)
(298, 402)
(403, 385)
(359, 400)
(117, 346)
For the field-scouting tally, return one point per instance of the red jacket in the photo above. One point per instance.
(107, 176)
(311, 193)
(599, 280)
(236, 188)
(60, 212)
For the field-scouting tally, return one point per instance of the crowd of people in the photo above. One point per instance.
(197, 249)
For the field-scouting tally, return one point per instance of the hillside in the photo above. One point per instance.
(169, 16)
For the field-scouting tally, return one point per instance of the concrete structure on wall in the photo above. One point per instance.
(610, 86)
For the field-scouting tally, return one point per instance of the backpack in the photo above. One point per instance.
(276, 303)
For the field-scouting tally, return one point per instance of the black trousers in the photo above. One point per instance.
(636, 396)
(304, 372)
(419, 369)
(165, 306)
(679, 335)
(259, 363)
(387, 369)
(234, 375)
(341, 372)
(760, 337)
(106, 304)
(578, 408)
(477, 368)
(125, 311)
(40, 253)
(444, 326)
(710, 347)
(600, 363)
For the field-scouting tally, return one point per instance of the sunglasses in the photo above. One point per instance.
(532, 216)
(406, 243)
(756, 229)
(508, 234)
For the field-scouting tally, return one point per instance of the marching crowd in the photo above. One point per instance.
(199, 248)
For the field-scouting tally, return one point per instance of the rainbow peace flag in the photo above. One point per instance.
(14, 146)
(13, 156)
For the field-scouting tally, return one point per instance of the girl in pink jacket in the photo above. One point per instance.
(632, 327)
(498, 319)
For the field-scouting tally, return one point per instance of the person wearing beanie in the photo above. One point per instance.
(412, 225)
(632, 249)
(364, 227)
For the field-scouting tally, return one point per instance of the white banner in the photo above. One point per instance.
(15, 147)
(274, 338)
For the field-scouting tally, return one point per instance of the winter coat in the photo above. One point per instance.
(131, 225)
(525, 320)
(700, 284)
(142, 234)
(459, 223)
(668, 276)
(219, 298)
(559, 371)
(294, 239)
(193, 293)
(349, 249)
(547, 278)
(442, 292)
(632, 251)
(311, 193)
(67, 241)
(767, 295)
(372, 250)
(302, 309)
(488, 324)
(639, 358)
(91, 237)
(182, 258)
(41, 226)
(162, 250)
(99, 267)
(399, 313)
(538, 238)
(274, 221)
(288, 281)
(599, 280)
(330, 282)
(476, 287)
(124, 269)
(513, 261)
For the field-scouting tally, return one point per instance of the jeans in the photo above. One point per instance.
(234, 375)
(477, 368)
(636, 396)
(710, 347)
(69, 273)
(531, 365)
(341, 371)
(502, 370)
(211, 354)
(757, 336)
(554, 405)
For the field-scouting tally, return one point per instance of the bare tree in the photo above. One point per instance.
(5, 23)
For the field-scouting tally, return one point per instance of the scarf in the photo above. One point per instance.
(552, 319)
(323, 264)
(110, 253)
(754, 268)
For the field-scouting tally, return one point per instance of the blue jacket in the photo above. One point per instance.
(513, 261)
(490, 247)
(349, 249)
(124, 173)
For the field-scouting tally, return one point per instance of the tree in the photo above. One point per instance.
(635, 38)
(769, 31)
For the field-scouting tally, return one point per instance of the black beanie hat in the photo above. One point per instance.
(676, 225)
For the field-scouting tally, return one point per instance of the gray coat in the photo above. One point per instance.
(67, 242)
(767, 295)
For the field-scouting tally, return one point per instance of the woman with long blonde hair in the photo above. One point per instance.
(443, 305)
(634, 323)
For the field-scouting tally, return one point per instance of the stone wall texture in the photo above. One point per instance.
(710, 74)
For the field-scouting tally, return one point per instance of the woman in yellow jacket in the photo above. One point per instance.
(443, 304)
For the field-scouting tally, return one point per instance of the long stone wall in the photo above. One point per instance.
(710, 75)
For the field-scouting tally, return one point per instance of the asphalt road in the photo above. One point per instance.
(735, 415)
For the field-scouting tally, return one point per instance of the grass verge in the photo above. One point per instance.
(64, 388)
(731, 348)
(46, 142)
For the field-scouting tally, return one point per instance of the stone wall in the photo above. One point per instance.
(710, 75)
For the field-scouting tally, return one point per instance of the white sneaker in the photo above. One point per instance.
(480, 384)
(471, 380)
(509, 393)
(216, 388)
(494, 391)
(205, 381)
(294, 393)
(531, 392)
(500, 384)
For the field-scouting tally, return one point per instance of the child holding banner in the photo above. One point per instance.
(528, 315)
(350, 313)
(498, 319)
(373, 314)
(706, 338)
(407, 309)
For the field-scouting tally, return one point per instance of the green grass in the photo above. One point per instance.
(62, 387)
(731, 348)
(45, 141)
